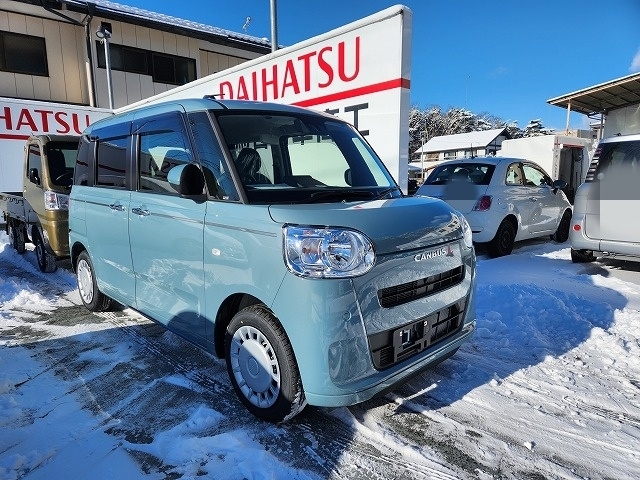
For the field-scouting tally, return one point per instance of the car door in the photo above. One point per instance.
(166, 230)
(548, 204)
(516, 198)
(107, 213)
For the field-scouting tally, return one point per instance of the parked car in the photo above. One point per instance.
(606, 203)
(503, 199)
(271, 236)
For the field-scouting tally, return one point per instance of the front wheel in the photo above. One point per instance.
(46, 260)
(502, 243)
(92, 298)
(16, 236)
(262, 366)
(562, 233)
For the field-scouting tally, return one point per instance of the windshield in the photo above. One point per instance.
(302, 159)
(61, 158)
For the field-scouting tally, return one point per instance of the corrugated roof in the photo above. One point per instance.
(461, 141)
(146, 16)
(602, 98)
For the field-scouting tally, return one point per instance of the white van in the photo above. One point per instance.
(605, 212)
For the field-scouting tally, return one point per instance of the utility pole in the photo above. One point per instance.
(274, 26)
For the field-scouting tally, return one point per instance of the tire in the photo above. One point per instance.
(92, 298)
(562, 233)
(582, 256)
(255, 339)
(46, 260)
(502, 243)
(16, 236)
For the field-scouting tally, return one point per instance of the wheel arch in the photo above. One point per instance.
(229, 307)
(75, 250)
(515, 222)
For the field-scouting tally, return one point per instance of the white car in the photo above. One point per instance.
(503, 199)
(602, 222)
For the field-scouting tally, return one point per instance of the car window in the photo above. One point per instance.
(217, 176)
(477, 173)
(535, 177)
(162, 146)
(617, 156)
(111, 162)
(514, 175)
(618, 171)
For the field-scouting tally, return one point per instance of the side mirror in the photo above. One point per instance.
(559, 185)
(347, 177)
(34, 176)
(187, 179)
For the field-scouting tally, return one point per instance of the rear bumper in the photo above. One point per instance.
(483, 225)
(580, 241)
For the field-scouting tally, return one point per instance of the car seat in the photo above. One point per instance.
(248, 164)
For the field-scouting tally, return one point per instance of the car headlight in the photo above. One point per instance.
(327, 252)
(467, 235)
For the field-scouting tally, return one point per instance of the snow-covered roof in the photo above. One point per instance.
(119, 10)
(460, 141)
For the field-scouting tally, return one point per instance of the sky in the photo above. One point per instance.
(548, 387)
(503, 58)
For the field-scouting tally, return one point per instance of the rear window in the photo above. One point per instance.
(477, 173)
(615, 156)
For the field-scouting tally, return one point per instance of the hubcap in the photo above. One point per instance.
(85, 281)
(255, 366)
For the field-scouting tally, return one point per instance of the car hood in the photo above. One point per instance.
(393, 226)
(460, 195)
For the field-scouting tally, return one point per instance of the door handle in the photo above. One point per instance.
(140, 211)
(533, 199)
(117, 207)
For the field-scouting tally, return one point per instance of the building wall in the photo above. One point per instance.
(65, 55)
(69, 78)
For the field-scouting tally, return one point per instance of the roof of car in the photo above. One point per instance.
(206, 103)
(491, 160)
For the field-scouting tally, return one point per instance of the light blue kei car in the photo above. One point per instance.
(275, 238)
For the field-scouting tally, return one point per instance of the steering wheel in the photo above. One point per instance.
(65, 178)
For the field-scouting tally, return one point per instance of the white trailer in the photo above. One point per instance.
(20, 119)
(563, 157)
(359, 72)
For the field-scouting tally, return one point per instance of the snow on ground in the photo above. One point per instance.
(549, 387)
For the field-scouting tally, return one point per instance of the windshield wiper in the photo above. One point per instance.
(341, 194)
(385, 192)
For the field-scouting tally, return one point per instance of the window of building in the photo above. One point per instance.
(163, 68)
(23, 54)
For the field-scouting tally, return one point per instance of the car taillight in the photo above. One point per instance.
(483, 204)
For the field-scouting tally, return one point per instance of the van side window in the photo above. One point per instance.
(81, 174)
(216, 172)
(162, 146)
(111, 162)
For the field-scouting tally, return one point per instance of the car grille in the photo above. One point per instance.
(408, 292)
(398, 344)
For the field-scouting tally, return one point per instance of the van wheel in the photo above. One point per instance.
(16, 237)
(262, 367)
(92, 298)
(502, 243)
(46, 260)
(562, 233)
(582, 256)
